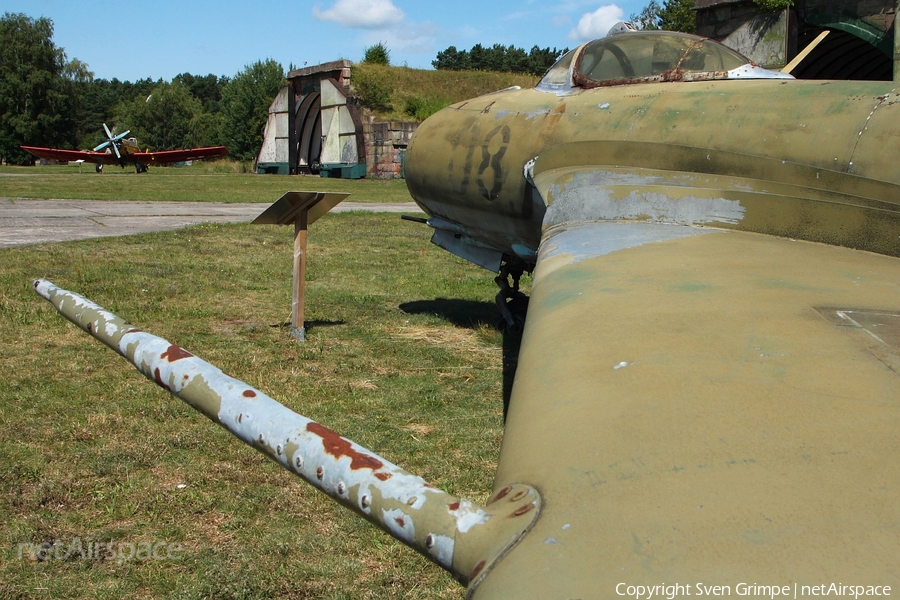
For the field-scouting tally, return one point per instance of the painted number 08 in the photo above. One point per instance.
(492, 161)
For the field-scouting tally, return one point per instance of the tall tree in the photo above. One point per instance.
(678, 15)
(205, 88)
(377, 54)
(245, 107)
(97, 102)
(541, 59)
(36, 102)
(163, 120)
(671, 15)
(78, 79)
(498, 58)
(452, 59)
(648, 18)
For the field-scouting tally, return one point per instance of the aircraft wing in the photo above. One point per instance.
(703, 406)
(693, 406)
(171, 156)
(71, 155)
(147, 158)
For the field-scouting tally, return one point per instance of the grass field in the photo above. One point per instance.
(401, 355)
(205, 181)
(433, 88)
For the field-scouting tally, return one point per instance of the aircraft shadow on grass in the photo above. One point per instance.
(471, 314)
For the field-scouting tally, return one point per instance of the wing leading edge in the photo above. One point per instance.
(71, 155)
(170, 156)
(701, 406)
(147, 158)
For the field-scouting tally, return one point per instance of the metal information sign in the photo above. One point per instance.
(299, 209)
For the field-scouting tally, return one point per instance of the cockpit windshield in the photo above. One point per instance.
(647, 56)
(558, 74)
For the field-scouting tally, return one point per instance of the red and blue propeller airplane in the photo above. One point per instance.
(120, 150)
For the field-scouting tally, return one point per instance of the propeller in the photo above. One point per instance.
(112, 141)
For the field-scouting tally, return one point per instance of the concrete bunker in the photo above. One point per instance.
(860, 39)
(317, 127)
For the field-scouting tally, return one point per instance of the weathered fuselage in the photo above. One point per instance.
(807, 159)
(679, 399)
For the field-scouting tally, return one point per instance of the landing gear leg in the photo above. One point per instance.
(512, 303)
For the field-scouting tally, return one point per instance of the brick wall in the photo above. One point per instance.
(386, 144)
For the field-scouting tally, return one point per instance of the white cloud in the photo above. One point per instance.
(596, 24)
(362, 14)
(415, 38)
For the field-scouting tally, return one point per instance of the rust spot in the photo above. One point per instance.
(400, 521)
(249, 394)
(382, 476)
(320, 472)
(477, 570)
(175, 353)
(337, 446)
(590, 84)
(675, 74)
(502, 493)
(454, 505)
(134, 330)
(524, 509)
(157, 377)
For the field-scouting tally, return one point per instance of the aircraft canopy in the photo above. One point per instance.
(647, 56)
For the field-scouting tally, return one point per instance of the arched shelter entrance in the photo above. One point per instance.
(314, 125)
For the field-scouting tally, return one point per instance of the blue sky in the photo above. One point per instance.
(162, 38)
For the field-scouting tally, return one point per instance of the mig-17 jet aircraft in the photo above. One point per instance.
(707, 389)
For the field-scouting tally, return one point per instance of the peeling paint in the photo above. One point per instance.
(399, 526)
(468, 515)
(881, 101)
(338, 447)
(442, 549)
(587, 240)
(174, 353)
(454, 532)
(594, 197)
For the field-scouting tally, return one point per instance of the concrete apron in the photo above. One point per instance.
(29, 221)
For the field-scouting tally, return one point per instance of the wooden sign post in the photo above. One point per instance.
(300, 209)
